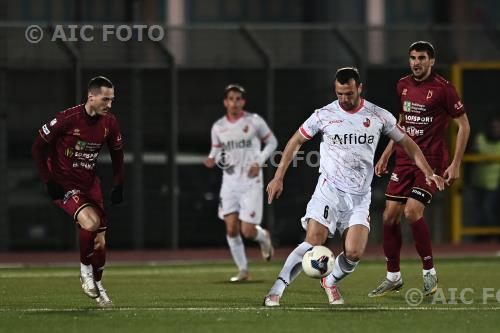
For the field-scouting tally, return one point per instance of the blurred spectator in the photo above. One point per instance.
(486, 175)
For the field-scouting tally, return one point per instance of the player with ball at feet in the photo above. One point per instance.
(350, 127)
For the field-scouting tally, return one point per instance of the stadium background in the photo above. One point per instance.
(169, 93)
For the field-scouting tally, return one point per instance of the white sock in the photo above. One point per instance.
(291, 269)
(85, 269)
(99, 285)
(261, 235)
(341, 269)
(432, 271)
(237, 249)
(393, 276)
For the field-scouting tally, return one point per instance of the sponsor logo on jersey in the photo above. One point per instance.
(352, 139)
(76, 132)
(335, 121)
(405, 90)
(53, 122)
(429, 94)
(80, 145)
(409, 118)
(366, 122)
(394, 177)
(237, 144)
(45, 130)
(413, 131)
(252, 214)
(407, 106)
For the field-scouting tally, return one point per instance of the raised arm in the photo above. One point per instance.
(275, 186)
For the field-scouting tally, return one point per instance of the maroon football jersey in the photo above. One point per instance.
(77, 139)
(426, 108)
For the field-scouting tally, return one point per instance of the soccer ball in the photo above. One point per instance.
(318, 262)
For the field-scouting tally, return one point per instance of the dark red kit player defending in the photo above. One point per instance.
(65, 152)
(427, 103)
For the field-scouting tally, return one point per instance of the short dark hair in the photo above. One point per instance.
(423, 46)
(97, 82)
(344, 74)
(234, 87)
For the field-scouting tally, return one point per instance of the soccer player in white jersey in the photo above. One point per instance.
(236, 148)
(350, 127)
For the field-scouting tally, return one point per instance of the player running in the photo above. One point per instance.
(65, 153)
(427, 102)
(350, 127)
(236, 148)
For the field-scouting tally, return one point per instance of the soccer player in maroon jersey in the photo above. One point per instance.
(65, 152)
(427, 103)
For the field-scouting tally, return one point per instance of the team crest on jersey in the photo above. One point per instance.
(407, 106)
(366, 122)
(245, 129)
(429, 94)
(76, 132)
(80, 145)
(69, 152)
(405, 90)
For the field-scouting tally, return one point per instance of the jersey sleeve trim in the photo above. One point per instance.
(304, 133)
(42, 136)
(267, 136)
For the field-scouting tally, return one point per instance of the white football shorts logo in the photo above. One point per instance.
(45, 130)
(394, 177)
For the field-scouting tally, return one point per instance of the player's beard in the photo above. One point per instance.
(420, 73)
(351, 105)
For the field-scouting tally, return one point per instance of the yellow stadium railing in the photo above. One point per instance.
(458, 230)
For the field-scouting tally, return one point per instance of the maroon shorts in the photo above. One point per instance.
(75, 200)
(408, 181)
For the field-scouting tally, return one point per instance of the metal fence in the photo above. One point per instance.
(169, 92)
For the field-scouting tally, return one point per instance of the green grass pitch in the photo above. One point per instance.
(195, 297)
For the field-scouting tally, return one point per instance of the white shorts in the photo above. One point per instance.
(336, 209)
(245, 200)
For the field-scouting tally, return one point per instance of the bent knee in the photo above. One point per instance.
(412, 215)
(248, 234)
(354, 255)
(99, 243)
(89, 220)
(390, 217)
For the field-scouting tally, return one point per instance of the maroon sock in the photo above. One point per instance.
(86, 245)
(422, 238)
(98, 262)
(392, 246)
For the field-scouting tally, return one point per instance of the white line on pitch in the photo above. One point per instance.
(250, 309)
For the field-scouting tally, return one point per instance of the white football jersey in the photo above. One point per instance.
(237, 145)
(349, 140)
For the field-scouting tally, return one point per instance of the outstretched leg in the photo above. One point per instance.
(316, 235)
